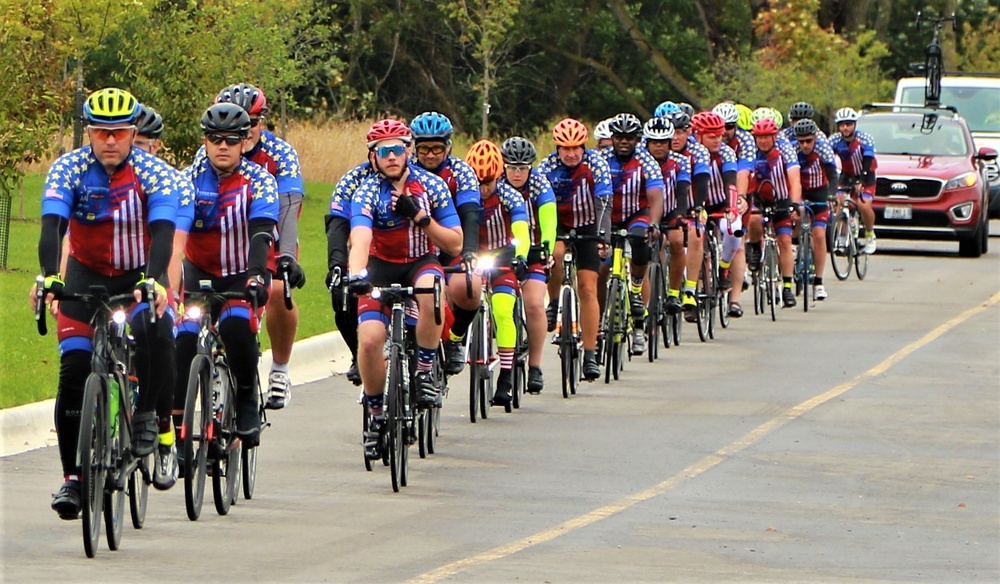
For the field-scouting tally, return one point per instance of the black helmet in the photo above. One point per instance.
(686, 108)
(626, 124)
(681, 120)
(801, 110)
(225, 117)
(149, 123)
(805, 127)
(518, 151)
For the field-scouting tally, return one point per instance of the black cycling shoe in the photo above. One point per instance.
(428, 395)
(248, 418)
(725, 279)
(353, 375)
(754, 255)
(591, 370)
(637, 305)
(373, 438)
(788, 297)
(551, 312)
(505, 383)
(67, 501)
(454, 357)
(145, 433)
(535, 382)
(672, 305)
(735, 310)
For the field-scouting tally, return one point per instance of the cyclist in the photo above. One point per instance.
(722, 198)
(504, 224)
(400, 217)
(281, 160)
(518, 156)
(700, 164)
(676, 171)
(230, 235)
(800, 110)
(581, 183)
(769, 113)
(742, 143)
(148, 129)
(666, 109)
(338, 232)
(636, 206)
(119, 205)
(857, 156)
(775, 182)
(602, 134)
(432, 143)
(744, 122)
(818, 170)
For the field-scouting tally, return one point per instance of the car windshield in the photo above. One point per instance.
(906, 135)
(980, 106)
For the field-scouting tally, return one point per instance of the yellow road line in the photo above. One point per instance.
(702, 465)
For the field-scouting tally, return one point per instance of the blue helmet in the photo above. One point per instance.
(431, 126)
(666, 109)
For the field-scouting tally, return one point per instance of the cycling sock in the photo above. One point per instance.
(869, 234)
(730, 245)
(166, 427)
(673, 292)
(463, 317)
(817, 281)
(279, 367)
(374, 402)
(506, 359)
(167, 438)
(787, 281)
(689, 285)
(724, 264)
(425, 358)
(71, 477)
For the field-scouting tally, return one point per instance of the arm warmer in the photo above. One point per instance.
(604, 217)
(338, 232)
(50, 243)
(547, 218)
(831, 181)
(729, 179)
(161, 249)
(260, 243)
(288, 223)
(681, 192)
(519, 229)
(468, 214)
(701, 189)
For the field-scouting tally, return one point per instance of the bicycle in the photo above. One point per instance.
(519, 373)
(767, 278)
(707, 292)
(568, 335)
(672, 324)
(656, 314)
(805, 262)
(616, 321)
(109, 470)
(846, 241)
(934, 59)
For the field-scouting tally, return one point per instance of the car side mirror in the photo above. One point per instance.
(987, 153)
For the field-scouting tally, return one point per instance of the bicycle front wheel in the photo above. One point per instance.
(93, 448)
(114, 492)
(249, 466)
(808, 268)
(475, 365)
(395, 417)
(611, 330)
(195, 430)
(772, 278)
(654, 312)
(840, 252)
(861, 263)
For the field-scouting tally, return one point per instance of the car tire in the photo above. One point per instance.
(984, 237)
(971, 246)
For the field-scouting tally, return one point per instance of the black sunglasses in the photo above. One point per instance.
(254, 122)
(227, 138)
(730, 126)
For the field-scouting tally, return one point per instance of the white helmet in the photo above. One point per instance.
(658, 129)
(602, 131)
(727, 112)
(846, 114)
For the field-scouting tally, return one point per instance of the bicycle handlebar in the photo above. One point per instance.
(97, 294)
(288, 289)
(398, 292)
(462, 268)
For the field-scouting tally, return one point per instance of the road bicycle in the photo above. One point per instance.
(805, 262)
(767, 278)
(707, 291)
(568, 334)
(846, 241)
(655, 312)
(616, 322)
(109, 472)
(934, 58)
(673, 323)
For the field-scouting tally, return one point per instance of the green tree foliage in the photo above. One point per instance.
(980, 49)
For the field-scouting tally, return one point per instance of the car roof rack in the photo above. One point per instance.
(896, 107)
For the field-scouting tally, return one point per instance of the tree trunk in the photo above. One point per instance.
(78, 106)
(487, 82)
(855, 15)
(882, 19)
(603, 69)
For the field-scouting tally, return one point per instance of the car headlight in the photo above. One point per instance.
(963, 180)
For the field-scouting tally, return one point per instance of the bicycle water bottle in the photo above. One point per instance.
(114, 404)
(218, 395)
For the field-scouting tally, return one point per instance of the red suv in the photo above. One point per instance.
(931, 179)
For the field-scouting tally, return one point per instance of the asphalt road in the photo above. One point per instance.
(858, 442)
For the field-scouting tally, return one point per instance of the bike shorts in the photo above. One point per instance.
(672, 220)
(817, 202)
(383, 273)
(538, 266)
(867, 191)
(637, 225)
(782, 215)
(587, 257)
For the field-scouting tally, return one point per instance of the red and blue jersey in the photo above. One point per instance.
(744, 146)
(701, 163)
(852, 153)
(811, 166)
(281, 160)
(769, 178)
(721, 162)
(218, 231)
(536, 192)
(503, 207)
(460, 178)
(109, 215)
(676, 168)
(576, 188)
(340, 200)
(630, 182)
(396, 238)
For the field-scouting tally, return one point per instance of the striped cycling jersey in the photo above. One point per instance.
(676, 168)
(458, 176)
(576, 188)
(109, 215)
(218, 231)
(789, 134)
(769, 178)
(744, 146)
(396, 238)
(536, 192)
(631, 181)
(852, 153)
(722, 161)
(340, 200)
(503, 207)
(701, 163)
(811, 166)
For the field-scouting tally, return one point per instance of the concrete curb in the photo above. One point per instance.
(31, 426)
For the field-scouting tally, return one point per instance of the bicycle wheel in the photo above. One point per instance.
(138, 492)
(611, 326)
(840, 252)
(622, 332)
(654, 312)
(225, 466)
(807, 269)
(364, 431)
(114, 491)
(567, 343)
(196, 429)
(486, 371)
(475, 364)
(433, 417)
(249, 468)
(701, 292)
(519, 375)
(860, 258)
(771, 278)
(93, 448)
(394, 416)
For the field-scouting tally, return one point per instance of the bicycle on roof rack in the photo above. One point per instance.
(934, 58)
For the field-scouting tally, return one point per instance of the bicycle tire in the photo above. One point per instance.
(223, 474)
(567, 343)
(701, 292)
(841, 255)
(422, 422)
(623, 349)
(611, 327)
(195, 430)
(364, 432)
(653, 315)
(771, 277)
(394, 417)
(808, 271)
(248, 466)
(93, 453)
(475, 363)
(486, 372)
(860, 259)
(114, 491)
(434, 414)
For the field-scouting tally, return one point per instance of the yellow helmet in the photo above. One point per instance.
(111, 106)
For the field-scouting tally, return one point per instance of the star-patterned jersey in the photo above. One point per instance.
(811, 166)
(630, 182)
(852, 153)
(576, 188)
(744, 146)
(675, 168)
(460, 178)
(396, 238)
(536, 192)
(218, 232)
(701, 162)
(721, 162)
(109, 216)
(503, 207)
(769, 178)
(340, 200)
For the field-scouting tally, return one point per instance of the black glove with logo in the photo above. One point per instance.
(296, 275)
(407, 207)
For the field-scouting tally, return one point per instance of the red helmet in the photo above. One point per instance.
(387, 130)
(486, 159)
(708, 124)
(764, 127)
(569, 132)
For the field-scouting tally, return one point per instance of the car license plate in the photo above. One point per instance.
(898, 212)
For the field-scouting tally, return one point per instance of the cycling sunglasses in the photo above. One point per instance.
(385, 151)
(435, 150)
(806, 140)
(229, 139)
(730, 126)
(106, 133)
(254, 122)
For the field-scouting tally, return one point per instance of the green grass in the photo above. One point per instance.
(29, 363)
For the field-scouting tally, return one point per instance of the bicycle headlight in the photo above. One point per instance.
(118, 317)
(376, 294)
(485, 263)
(963, 180)
(193, 313)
